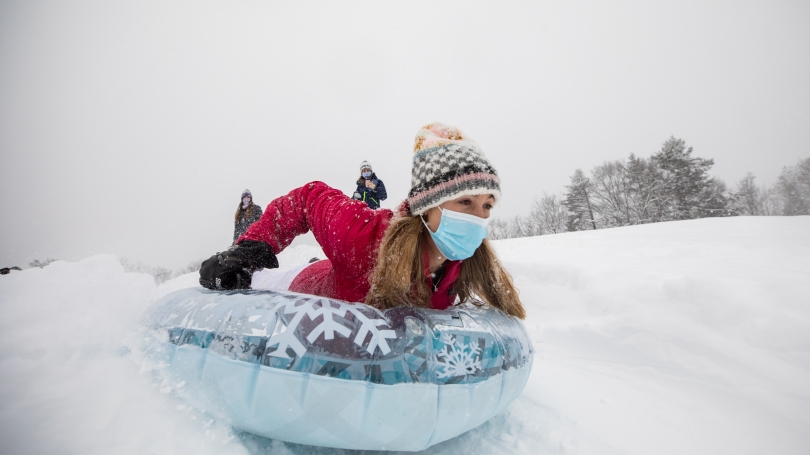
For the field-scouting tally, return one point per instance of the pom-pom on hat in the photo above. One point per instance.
(446, 165)
(366, 165)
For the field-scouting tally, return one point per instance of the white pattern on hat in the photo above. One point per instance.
(448, 165)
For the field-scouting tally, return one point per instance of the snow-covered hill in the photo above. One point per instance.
(686, 337)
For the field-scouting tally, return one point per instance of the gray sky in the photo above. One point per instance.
(132, 127)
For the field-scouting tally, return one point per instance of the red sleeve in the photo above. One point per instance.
(347, 230)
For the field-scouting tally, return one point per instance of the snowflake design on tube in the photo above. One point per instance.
(457, 358)
(377, 336)
(328, 326)
(285, 337)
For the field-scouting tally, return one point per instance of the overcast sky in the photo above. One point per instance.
(132, 127)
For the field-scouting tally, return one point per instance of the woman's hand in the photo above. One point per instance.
(225, 271)
(370, 184)
(233, 269)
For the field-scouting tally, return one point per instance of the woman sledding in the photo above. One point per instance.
(432, 251)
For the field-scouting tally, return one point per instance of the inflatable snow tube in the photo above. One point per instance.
(324, 372)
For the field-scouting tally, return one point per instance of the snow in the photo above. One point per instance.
(683, 337)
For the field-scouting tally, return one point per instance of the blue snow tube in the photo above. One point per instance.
(324, 372)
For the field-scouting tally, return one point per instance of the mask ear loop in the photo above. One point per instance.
(421, 217)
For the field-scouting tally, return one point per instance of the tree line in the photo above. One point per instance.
(161, 274)
(670, 185)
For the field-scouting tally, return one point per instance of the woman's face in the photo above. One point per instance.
(478, 205)
(246, 200)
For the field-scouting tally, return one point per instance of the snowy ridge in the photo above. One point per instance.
(684, 337)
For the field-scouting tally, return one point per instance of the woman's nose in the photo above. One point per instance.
(480, 212)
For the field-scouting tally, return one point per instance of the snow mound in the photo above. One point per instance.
(684, 337)
(71, 378)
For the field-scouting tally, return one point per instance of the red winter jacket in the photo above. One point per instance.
(349, 233)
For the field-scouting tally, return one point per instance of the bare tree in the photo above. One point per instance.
(609, 196)
(770, 202)
(41, 264)
(793, 187)
(498, 229)
(747, 199)
(519, 226)
(548, 215)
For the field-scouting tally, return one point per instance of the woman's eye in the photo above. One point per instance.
(488, 206)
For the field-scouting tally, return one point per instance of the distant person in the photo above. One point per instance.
(370, 189)
(246, 214)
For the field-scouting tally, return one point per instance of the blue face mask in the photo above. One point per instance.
(366, 175)
(459, 234)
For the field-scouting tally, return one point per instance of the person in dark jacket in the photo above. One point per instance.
(370, 189)
(246, 214)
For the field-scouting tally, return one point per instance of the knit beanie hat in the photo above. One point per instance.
(247, 193)
(446, 165)
(365, 165)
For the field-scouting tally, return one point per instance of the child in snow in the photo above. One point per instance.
(246, 214)
(370, 189)
(429, 253)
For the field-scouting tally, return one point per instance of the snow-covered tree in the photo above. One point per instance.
(793, 187)
(714, 200)
(685, 179)
(577, 201)
(647, 197)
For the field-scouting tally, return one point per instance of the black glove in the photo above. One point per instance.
(233, 269)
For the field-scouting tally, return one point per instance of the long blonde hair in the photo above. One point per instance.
(398, 278)
(244, 213)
